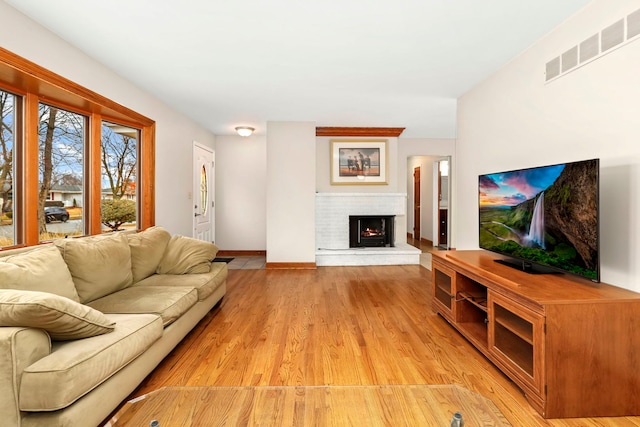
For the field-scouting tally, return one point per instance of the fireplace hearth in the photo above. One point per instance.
(371, 231)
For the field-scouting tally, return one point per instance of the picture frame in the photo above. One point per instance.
(359, 162)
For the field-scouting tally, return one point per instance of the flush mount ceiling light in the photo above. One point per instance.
(244, 130)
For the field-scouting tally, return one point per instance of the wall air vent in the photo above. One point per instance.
(570, 59)
(633, 24)
(553, 68)
(595, 47)
(612, 36)
(590, 48)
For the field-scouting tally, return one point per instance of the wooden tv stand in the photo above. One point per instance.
(571, 345)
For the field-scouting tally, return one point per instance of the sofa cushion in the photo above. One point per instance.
(185, 255)
(41, 269)
(169, 302)
(61, 317)
(76, 367)
(205, 283)
(99, 265)
(147, 248)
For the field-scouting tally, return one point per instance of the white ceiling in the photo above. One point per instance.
(379, 63)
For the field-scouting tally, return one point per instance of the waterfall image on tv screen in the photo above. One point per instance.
(545, 215)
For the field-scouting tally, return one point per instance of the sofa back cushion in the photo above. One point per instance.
(99, 265)
(147, 248)
(41, 269)
(185, 255)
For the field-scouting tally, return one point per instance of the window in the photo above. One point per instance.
(65, 151)
(119, 158)
(61, 137)
(204, 190)
(7, 167)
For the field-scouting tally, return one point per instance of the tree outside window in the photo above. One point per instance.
(62, 137)
(119, 157)
(7, 167)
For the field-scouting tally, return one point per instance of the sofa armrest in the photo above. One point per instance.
(19, 348)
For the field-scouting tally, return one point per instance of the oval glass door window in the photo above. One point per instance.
(204, 195)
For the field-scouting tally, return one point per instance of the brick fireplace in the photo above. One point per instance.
(333, 235)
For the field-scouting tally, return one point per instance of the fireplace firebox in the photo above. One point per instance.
(371, 231)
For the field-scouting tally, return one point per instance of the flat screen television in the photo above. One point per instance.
(543, 219)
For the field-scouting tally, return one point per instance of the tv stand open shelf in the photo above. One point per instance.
(571, 345)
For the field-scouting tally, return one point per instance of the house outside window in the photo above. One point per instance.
(62, 139)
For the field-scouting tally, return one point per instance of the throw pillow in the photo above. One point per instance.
(147, 248)
(185, 255)
(41, 269)
(99, 265)
(61, 317)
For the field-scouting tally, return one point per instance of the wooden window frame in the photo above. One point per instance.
(35, 84)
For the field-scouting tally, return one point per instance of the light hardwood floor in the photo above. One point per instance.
(339, 326)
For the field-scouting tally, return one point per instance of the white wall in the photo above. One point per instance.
(290, 189)
(515, 120)
(241, 192)
(174, 132)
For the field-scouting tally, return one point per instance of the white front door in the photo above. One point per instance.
(203, 195)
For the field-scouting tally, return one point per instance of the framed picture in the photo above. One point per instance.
(359, 162)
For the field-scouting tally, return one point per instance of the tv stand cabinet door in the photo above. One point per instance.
(516, 343)
(603, 381)
(444, 290)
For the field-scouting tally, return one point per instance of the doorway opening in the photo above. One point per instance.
(428, 201)
(416, 202)
(443, 192)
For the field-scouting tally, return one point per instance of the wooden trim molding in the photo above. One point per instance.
(92, 215)
(357, 131)
(148, 172)
(27, 76)
(29, 197)
(291, 266)
(426, 241)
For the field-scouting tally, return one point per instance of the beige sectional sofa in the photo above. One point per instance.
(83, 321)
